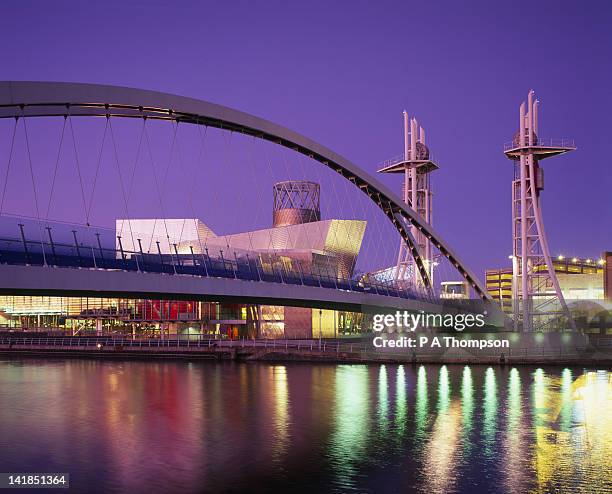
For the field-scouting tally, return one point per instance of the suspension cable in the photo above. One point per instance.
(189, 189)
(78, 165)
(250, 145)
(95, 181)
(133, 177)
(125, 201)
(198, 163)
(158, 190)
(57, 160)
(227, 144)
(8, 166)
(27, 140)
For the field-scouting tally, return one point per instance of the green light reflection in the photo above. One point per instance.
(351, 421)
(383, 398)
(514, 400)
(400, 401)
(490, 412)
(467, 406)
(443, 390)
(421, 405)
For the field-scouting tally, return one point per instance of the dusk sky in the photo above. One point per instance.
(342, 72)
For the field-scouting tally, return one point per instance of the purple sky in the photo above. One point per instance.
(342, 72)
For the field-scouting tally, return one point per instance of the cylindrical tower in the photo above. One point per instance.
(296, 202)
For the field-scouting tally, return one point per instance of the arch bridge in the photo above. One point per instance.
(38, 269)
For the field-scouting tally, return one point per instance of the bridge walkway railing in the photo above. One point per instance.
(243, 267)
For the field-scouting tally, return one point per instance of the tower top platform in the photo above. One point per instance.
(542, 148)
(399, 164)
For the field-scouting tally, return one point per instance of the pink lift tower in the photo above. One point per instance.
(415, 164)
(537, 298)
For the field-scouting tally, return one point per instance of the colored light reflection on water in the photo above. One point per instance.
(401, 405)
(351, 422)
(421, 406)
(467, 407)
(443, 390)
(491, 412)
(514, 438)
(282, 419)
(383, 398)
(440, 459)
(201, 427)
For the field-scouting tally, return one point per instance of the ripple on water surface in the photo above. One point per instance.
(120, 426)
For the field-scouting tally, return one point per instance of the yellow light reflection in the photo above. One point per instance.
(573, 431)
(516, 460)
(441, 450)
(281, 412)
(566, 393)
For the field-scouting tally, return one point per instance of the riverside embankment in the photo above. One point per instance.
(587, 352)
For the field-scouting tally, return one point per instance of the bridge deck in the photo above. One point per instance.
(248, 269)
(98, 282)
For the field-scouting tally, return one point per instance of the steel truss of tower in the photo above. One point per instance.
(416, 166)
(538, 302)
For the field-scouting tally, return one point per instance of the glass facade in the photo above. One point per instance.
(170, 318)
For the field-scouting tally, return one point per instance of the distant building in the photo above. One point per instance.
(499, 286)
(607, 258)
(579, 279)
(454, 290)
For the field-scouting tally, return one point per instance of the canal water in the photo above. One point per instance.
(154, 427)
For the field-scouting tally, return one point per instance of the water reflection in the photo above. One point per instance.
(489, 425)
(421, 406)
(547, 441)
(572, 431)
(467, 408)
(443, 390)
(592, 432)
(351, 420)
(165, 427)
(401, 406)
(516, 454)
(281, 411)
(383, 399)
(441, 450)
(565, 421)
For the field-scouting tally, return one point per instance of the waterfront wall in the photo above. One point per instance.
(527, 349)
